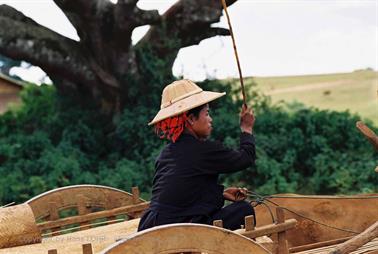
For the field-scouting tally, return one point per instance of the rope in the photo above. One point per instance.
(322, 197)
(235, 50)
(261, 199)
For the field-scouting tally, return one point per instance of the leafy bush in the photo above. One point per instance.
(51, 141)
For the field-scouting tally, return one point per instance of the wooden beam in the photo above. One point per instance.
(87, 248)
(249, 223)
(282, 247)
(93, 216)
(356, 242)
(268, 229)
(136, 194)
(368, 133)
(318, 245)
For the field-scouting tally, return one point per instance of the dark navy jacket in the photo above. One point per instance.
(186, 178)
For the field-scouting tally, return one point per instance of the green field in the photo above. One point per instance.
(355, 91)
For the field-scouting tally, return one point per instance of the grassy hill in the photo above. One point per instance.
(355, 91)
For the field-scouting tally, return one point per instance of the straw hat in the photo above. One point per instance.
(181, 96)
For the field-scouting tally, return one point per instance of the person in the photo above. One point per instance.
(185, 185)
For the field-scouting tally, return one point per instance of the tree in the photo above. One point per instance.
(103, 65)
(6, 64)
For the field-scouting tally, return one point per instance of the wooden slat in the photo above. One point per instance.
(87, 248)
(369, 247)
(249, 222)
(282, 247)
(368, 133)
(82, 209)
(268, 229)
(92, 216)
(53, 216)
(136, 195)
(318, 245)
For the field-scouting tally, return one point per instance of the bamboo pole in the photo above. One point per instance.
(356, 242)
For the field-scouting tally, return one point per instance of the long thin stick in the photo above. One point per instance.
(235, 50)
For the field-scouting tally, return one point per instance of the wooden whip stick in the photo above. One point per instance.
(235, 50)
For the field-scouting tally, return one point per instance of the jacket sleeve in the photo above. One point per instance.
(216, 159)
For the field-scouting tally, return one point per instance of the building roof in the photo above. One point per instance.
(12, 81)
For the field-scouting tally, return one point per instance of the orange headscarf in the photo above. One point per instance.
(172, 127)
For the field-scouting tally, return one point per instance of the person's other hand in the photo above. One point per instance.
(247, 119)
(235, 194)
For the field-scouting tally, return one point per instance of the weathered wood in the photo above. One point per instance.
(53, 251)
(268, 229)
(82, 209)
(368, 133)
(87, 248)
(218, 223)
(282, 247)
(68, 197)
(318, 245)
(188, 237)
(136, 194)
(353, 244)
(93, 216)
(17, 226)
(53, 215)
(249, 222)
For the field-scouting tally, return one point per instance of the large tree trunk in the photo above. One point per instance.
(104, 66)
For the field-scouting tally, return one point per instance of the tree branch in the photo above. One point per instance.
(186, 23)
(105, 30)
(23, 39)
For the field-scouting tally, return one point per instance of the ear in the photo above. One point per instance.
(191, 119)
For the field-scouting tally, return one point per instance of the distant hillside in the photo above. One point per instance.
(355, 91)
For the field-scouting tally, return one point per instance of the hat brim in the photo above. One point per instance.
(186, 104)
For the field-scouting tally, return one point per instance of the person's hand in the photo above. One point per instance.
(235, 194)
(247, 119)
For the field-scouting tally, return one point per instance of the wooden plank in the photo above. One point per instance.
(136, 195)
(87, 248)
(368, 133)
(82, 209)
(53, 216)
(268, 229)
(359, 240)
(54, 251)
(249, 222)
(282, 247)
(93, 216)
(318, 245)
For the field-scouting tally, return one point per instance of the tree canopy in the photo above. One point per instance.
(104, 65)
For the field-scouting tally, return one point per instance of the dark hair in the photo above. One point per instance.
(195, 111)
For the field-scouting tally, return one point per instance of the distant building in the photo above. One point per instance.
(9, 92)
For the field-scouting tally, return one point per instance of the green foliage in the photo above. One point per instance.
(50, 142)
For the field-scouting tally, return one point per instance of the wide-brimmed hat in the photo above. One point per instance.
(181, 96)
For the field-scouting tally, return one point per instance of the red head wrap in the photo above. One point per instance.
(172, 127)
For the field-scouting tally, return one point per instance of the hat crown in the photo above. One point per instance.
(177, 91)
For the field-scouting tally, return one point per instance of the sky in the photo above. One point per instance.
(273, 37)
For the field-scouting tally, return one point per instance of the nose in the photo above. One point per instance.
(210, 119)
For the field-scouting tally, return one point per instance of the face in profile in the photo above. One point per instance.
(202, 125)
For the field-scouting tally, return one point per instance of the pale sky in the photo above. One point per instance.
(286, 37)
